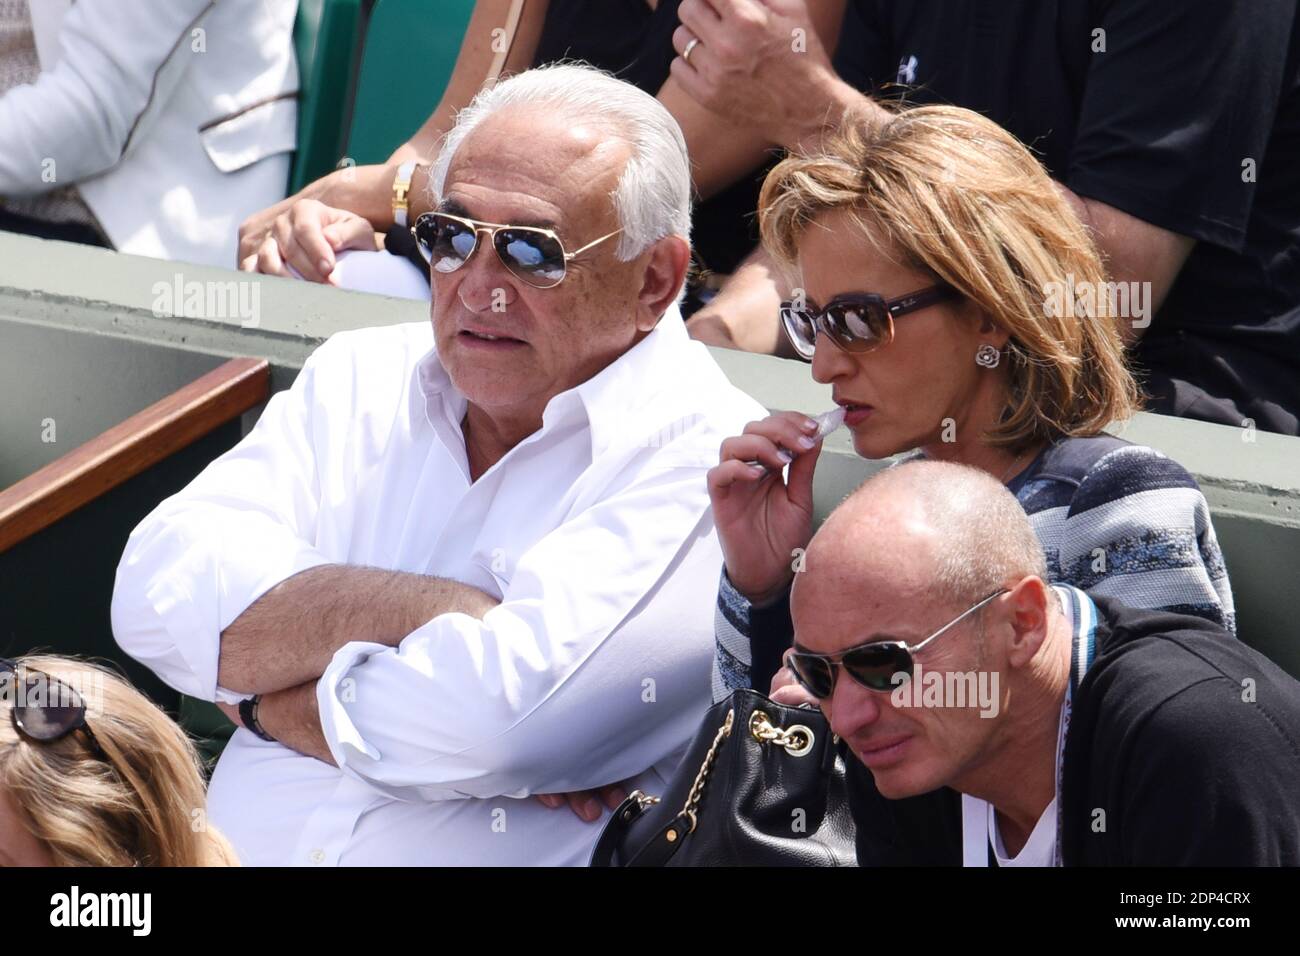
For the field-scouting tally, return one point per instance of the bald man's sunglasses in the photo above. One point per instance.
(44, 708)
(535, 256)
(856, 322)
(873, 665)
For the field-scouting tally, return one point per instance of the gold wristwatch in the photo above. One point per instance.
(402, 191)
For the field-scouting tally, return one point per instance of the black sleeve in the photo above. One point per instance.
(924, 830)
(1212, 780)
(1184, 92)
(864, 58)
(771, 634)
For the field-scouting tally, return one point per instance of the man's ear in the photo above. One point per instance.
(1029, 603)
(665, 271)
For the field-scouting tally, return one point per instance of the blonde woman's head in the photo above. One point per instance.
(131, 795)
(941, 195)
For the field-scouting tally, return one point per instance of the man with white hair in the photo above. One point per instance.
(1111, 736)
(455, 567)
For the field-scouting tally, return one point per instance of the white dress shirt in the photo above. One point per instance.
(594, 532)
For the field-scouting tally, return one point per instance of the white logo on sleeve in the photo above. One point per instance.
(907, 70)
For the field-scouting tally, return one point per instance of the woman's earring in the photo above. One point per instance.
(986, 356)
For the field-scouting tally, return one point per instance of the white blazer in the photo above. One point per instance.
(175, 118)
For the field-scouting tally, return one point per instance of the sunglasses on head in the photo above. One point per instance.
(856, 322)
(873, 665)
(532, 254)
(44, 708)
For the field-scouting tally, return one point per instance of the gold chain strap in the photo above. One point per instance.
(701, 778)
(797, 740)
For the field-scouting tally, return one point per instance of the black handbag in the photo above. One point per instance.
(763, 784)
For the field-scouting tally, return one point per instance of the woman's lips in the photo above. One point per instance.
(856, 414)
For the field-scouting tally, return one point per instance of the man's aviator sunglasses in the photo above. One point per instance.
(873, 665)
(856, 322)
(532, 254)
(45, 709)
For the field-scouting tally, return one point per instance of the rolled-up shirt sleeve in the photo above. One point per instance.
(197, 562)
(592, 668)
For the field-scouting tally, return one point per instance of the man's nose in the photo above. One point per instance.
(485, 284)
(852, 708)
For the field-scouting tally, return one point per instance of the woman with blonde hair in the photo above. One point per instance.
(92, 773)
(958, 308)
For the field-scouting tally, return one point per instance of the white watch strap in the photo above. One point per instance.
(403, 178)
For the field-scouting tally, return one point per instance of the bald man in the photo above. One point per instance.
(998, 720)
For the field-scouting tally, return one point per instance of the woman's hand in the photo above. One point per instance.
(761, 517)
(334, 213)
(307, 237)
(257, 228)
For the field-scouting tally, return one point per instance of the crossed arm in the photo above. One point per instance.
(280, 646)
(282, 643)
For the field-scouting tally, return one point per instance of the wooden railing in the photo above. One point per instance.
(126, 450)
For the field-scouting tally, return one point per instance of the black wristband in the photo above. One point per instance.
(248, 714)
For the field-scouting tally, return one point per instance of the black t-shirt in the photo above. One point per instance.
(625, 37)
(635, 43)
(1182, 113)
(1187, 740)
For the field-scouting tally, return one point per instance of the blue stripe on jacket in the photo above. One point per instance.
(1114, 517)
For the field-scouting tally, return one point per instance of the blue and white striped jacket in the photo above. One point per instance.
(1115, 519)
